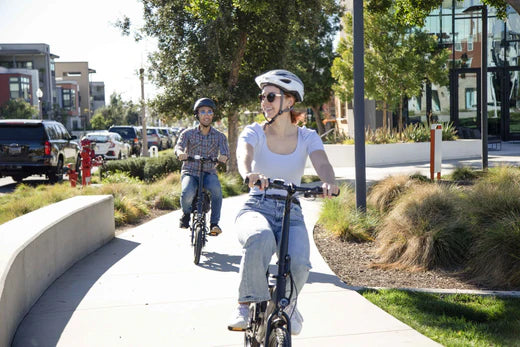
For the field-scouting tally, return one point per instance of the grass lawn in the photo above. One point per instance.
(454, 319)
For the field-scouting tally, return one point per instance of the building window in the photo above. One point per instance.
(19, 88)
(69, 99)
(470, 43)
(471, 98)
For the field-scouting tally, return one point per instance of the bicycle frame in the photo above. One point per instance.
(278, 317)
(198, 224)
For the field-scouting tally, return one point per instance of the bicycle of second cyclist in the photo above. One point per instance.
(200, 207)
(269, 325)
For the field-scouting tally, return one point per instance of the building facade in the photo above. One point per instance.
(97, 90)
(25, 68)
(80, 73)
(460, 31)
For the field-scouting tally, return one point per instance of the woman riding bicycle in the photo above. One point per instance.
(276, 149)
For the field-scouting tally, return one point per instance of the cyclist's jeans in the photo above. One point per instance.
(211, 184)
(259, 226)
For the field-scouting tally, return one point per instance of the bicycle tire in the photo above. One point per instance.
(279, 338)
(199, 242)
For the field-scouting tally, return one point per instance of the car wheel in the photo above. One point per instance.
(119, 156)
(56, 175)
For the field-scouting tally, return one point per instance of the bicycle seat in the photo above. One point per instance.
(206, 203)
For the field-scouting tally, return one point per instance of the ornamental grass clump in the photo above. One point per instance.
(385, 192)
(424, 230)
(464, 174)
(493, 206)
(495, 254)
(340, 217)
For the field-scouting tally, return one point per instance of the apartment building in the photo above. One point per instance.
(25, 68)
(80, 73)
(97, 92)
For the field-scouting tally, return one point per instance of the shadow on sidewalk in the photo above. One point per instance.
(48, 317)
(319, 277)
(220, 262)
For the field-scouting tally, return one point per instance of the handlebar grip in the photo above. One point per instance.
(257, 183)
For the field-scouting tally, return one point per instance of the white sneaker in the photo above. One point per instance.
(240, 317)
(296, 318)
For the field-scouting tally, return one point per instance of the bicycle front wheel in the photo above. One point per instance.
(199, 242)
(279, 338)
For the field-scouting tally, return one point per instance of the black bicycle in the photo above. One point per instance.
(269, 324)
(199, 208)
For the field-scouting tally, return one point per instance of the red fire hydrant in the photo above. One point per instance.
(73, 175)
(88, 160)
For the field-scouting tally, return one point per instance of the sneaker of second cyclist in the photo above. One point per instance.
(184, 221)
(214, 229)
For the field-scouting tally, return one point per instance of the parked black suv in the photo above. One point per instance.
(36, 147)
(130, 134)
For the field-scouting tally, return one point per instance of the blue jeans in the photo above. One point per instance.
(259, 227)
(189, 190)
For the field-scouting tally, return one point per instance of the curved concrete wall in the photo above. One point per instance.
(38, 247)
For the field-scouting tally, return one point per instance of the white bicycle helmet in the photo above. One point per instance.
(283, 79)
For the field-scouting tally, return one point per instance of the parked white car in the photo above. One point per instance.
(109, 145)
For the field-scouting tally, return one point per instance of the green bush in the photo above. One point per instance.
(156, 168)
(340, 217)
(464, 173)
(143, 168)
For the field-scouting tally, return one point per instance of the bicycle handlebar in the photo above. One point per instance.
(280, 184)
(201, 158)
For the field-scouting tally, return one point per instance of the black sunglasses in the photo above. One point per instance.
(270, 97)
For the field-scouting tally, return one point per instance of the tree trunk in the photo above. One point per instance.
(319, 121)
(232, 140)
(400, 121)
(384, 116)
(233, 115)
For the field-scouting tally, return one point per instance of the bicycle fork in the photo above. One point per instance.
(284, 270)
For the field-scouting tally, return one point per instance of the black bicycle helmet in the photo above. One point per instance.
(203, 102)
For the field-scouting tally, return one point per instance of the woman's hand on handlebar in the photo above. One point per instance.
(252, 178)
(329, 190)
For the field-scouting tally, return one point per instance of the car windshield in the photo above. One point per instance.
(125, 133)
(21, 132)
(151, 131)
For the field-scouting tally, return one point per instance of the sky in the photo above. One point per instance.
(82, 30)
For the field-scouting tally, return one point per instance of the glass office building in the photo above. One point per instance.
(461, 33)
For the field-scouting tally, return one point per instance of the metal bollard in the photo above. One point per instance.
(153, 151)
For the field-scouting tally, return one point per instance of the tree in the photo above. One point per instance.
(398, 60)
(18, 109)
(117, 112)
(414, 12)
(216, 48)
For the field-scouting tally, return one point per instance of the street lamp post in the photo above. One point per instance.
(483, 83)
(143, 117)
(39, 94)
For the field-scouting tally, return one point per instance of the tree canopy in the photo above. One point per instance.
(17, 109)
(117, 112)
(215, 48)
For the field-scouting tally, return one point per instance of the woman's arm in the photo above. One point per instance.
(321, 164)
(245, 155)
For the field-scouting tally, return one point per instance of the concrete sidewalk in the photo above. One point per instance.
(142, 289)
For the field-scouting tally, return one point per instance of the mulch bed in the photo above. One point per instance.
(351, 262)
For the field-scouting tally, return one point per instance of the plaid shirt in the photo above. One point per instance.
(193, 142)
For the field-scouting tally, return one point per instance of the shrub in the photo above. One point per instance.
(133, 166)
(464, 173)
(424, 230)
(495, 254)
(383, 194)
(340, 217)
(156, 168)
